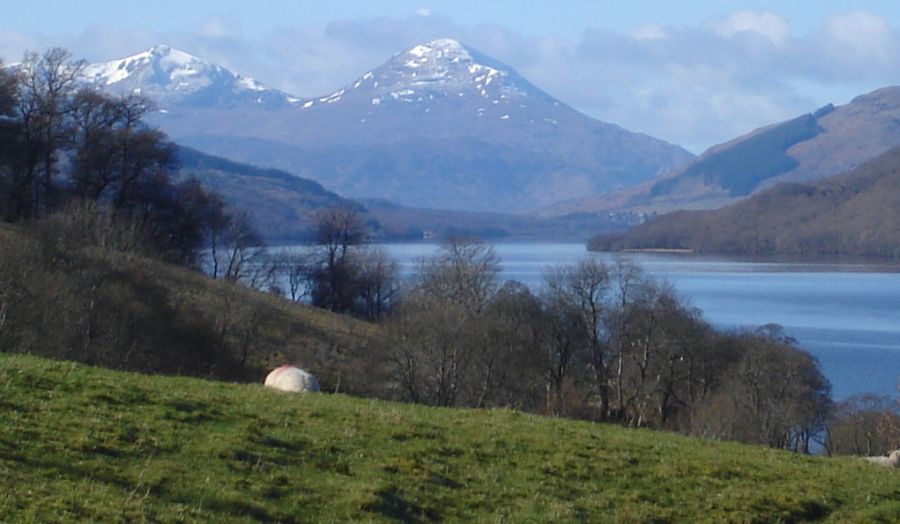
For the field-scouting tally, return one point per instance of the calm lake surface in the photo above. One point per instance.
(846, 314)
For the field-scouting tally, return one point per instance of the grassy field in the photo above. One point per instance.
(85, 444)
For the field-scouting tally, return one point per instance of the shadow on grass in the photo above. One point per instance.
(192, 412)
(241, 508)
(68, 470)
(392, 504)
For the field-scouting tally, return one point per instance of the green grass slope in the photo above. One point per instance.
(85, 444)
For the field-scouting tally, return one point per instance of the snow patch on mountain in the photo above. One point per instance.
(170, 76)
(174, 63)
(437, 70)
(438, 125)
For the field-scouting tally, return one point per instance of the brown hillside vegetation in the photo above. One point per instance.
(857, 213)
(808, 148)
(120, 310)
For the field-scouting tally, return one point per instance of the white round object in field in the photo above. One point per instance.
(890, 461)
(293, 379)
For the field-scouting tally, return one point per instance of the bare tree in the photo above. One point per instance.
(660, 338)
(864, 425)
(580, 292)
(294, 268)
(464, 271)
(240, 245)
(437, 332)
(378, 283)
(337, 232)
(509, 369)
(774, 395)
(46, 84)
(11, 148)
(113, 150)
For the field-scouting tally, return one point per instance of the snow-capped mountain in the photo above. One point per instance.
(440, 89)
(443, 70)
(438, 125)
(173, 77)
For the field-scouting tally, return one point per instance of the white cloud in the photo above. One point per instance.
(648, 32)
(219, 27)
(772, 26)
(862, 34)
(13, 45)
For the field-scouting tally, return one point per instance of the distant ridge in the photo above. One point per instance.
(810, 147)
(281, 205)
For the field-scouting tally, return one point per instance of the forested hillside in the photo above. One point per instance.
(280, 205)
(102, 256)
(857, 213)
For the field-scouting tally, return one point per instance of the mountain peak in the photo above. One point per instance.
(160, 49)
(442, 69)
(160, 60)
(446, 43)
(444, 48)
(446, 54)
(176, 55)
(169, 75)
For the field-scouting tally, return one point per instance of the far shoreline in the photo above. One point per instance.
(853, 263)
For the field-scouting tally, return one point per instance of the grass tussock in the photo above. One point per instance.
(85, 444)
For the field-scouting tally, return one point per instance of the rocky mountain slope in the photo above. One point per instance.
(439, 125)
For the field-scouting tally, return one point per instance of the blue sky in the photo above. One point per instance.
(543, 17)
(691, 72)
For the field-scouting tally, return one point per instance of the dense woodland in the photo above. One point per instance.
(85, 275)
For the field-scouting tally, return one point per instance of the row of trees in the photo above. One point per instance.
(64, 143)
(603, 342)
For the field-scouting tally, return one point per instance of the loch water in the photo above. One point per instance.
(846, 313)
